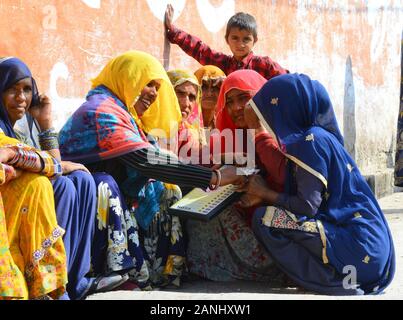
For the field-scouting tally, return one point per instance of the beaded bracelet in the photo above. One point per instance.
(48, 132)
(218, 182)
(50, 166)
(49, 143)
(48, 139)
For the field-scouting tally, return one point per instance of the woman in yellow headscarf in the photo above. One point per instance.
(127, 80)
(32, 254)
(210, 78)
(191, 134)
(132, 97)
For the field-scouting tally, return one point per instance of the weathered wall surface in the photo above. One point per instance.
(352, 47)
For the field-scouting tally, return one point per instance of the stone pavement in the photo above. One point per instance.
(242, 290)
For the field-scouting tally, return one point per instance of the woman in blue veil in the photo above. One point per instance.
(326, 231)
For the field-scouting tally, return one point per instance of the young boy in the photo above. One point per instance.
(241, 36)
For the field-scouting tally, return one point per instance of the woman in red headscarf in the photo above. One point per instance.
(237, 89)
(225, 248)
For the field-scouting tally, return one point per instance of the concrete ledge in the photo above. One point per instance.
(381, 184)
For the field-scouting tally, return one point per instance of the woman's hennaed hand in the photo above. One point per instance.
(252, 189)
(256, 192)
(6, 154)
(229, 175)
(255, 185)
(249, 200)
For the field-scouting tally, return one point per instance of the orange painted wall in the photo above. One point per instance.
(76, 38)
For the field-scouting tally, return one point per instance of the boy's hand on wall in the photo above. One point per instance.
(169, 15)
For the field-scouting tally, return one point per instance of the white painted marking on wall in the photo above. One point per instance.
(214, 18)
(62, 107)
(49, 21)
(96, 4)
(378, 19)
(158, 7)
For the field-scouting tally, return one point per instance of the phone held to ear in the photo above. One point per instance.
(35, 101)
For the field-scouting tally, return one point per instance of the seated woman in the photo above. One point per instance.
(32, 254)
(133, 96)
(225, 248)
(237, 89)
(326, 231)
(210, 79)
(75, 193)
(231, 137)
(191, 138)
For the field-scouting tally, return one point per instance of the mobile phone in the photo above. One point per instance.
(35, 95)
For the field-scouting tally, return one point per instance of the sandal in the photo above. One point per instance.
(129, 285)
(105, 283)
(43, 297)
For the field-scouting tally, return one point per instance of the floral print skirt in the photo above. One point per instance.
(225, 249)
(116, 246)
(154, 257)
(164, 244)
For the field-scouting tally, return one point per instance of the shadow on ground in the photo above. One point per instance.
(239, 286)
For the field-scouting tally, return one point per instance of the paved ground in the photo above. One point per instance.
(241, 290)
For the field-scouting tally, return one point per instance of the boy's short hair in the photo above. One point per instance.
(242, 21)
